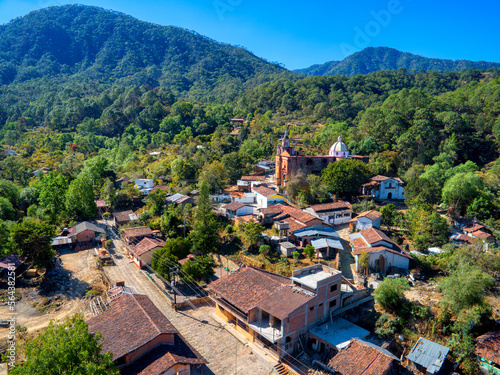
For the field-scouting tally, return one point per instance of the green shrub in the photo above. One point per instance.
(390, 291)
(386, 326)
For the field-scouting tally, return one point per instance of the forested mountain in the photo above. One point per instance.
(88, 44)
(372, 59)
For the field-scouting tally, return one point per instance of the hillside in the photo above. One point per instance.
(90, 44)
(372, 59)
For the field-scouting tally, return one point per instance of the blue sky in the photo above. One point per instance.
(301, 33)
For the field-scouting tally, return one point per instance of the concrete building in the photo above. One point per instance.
(332, 213)
(266, 197)
(234, 209)
(365, 220)
(274, 309)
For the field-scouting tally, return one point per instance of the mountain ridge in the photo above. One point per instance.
(373, 59)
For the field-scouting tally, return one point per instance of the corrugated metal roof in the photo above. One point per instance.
(308, 232)
(429, 355)
(326, 242)
(61, 241)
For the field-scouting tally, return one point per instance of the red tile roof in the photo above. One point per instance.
(265, 191)
(247, 287)
(380, 178)
(373, 235)
(237, 194)
(137, 231)
(372, 215)
(297, 214)
(488, 346)
(369, 249)
(362, 358)
(233, 206)
(284, 302)
(131, 321)
(145, 245)
(474, 228)
(101, 204)
(330, 206)
(482, 234)
(252, 178)
(124, 216)
(273, 210)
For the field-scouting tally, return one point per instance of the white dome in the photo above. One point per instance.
(339, 148)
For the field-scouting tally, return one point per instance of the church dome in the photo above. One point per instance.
(339, 149)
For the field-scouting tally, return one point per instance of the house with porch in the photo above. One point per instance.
(274, 309)
(382, 251)
(142, 340)
(334, 213)
(382, 187)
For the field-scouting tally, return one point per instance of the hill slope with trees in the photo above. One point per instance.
(372, 59)
(89, 44)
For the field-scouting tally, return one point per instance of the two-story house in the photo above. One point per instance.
(274, 309)
(332, 213)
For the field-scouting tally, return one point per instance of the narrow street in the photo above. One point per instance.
(225, 354)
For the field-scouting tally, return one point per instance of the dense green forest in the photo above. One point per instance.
(372, 59)
(78, 44)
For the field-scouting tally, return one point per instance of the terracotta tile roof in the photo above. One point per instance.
(372, 215)
(124, 178)
(294, 224)
(473, 228)
(233, 206)
(125, 216)
(131, 321)
(284, 302)
(488, 346)
(248, 286)
(373, 235)
(358, 242)
(369, 249)
(461, 238)
(371, 183)
(237, 194)
(137, 231)
(297, 214)
(265, 191)
(363, 358)
(330, 206)
(252, 178)
(273, 210)
(482, 234)
(101, 204)
(380, 178)
(245, 218)
(145, 245)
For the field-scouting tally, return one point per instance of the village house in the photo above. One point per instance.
(83, 235)
(382, 187)
(306, 235)
(234, 209)
(382, 251)
(264, 167)
(134, 235)
(10, 263)
(266, 197)
(326, 247)
(178, 198)
(267, 215)
(247, 183)
(361, 357)
(125, 179)
(142, 340)
(488, 352)
(332, 213)
(365, 220)
(124, 217)
(102, 207)
(143, 251)
(145, 185)
(242, 197)
(427, 357)
(274, 309)
(287, 248)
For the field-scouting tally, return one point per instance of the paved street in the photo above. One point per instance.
(226, 355)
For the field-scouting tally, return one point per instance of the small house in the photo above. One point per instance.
(120, 181)
(242, 197)
(287, 248)
(179, 199)
(145, 185)
(382, 187)
(266, 197)
(332, 213)
(234, 209)
(102, 207)
(327, 247)
(365, 220)
(427, 357)
(83, 235)
(143, 251)
(134, 235)
(124, 217)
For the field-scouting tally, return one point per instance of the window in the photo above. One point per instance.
(333, 303)
(333, 288)
(320, 305)
(311, 308)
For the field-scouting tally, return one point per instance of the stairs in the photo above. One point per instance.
(280, 369)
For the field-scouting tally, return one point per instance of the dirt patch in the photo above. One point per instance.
(61, 294)
(426, 295)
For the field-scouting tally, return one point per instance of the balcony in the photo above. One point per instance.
(270, 333)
